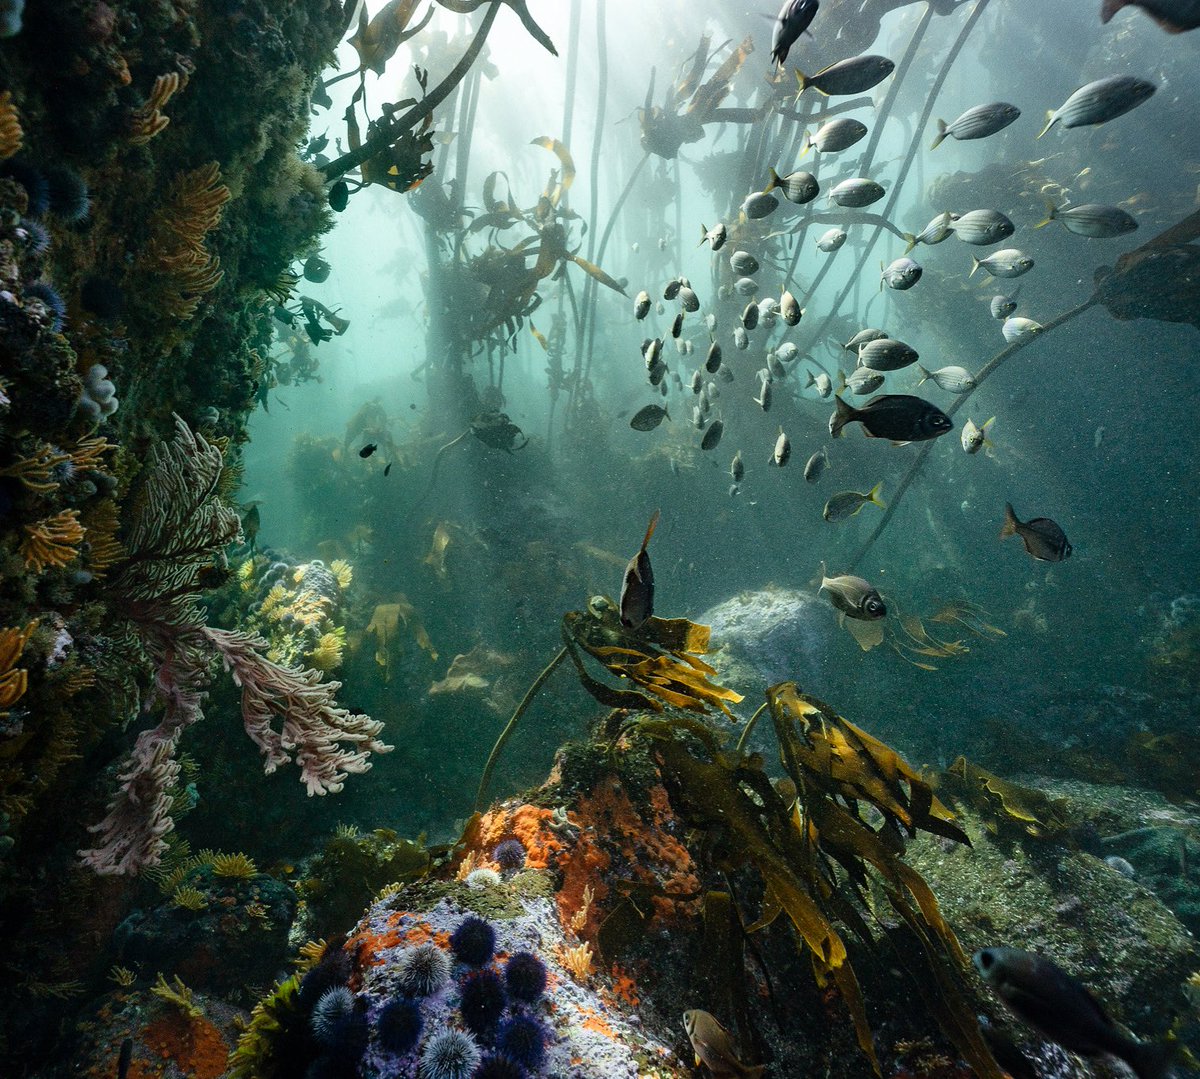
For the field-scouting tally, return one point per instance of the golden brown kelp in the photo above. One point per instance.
(1004, 804)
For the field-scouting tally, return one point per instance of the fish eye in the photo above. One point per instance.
(875, 606)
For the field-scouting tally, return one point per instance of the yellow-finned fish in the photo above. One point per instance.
(714, 1048)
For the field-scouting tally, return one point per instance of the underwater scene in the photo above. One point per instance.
(568, 539)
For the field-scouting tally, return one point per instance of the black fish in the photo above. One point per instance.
(637, 588)
(367, 450)
(125, 1059)
(648, 418)
(793, 19)
(1048, 998)
(1042, 537)
(893, 415)
(387, 469)
(1174, 16)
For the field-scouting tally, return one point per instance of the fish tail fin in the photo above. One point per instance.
(1109, 8)
(1051, 214)
(807, 144)
(873, 496)
(650, 529)
(801, 82)
(924, 373)
(811, 380)
(975, 264)
(841, 380)
(843, 415)
(667, 415)
(1051, 117)
(909, 239)
(774, 180)
(1151, 1060)
(1009, 527)
(988, 423)
(941, 126)
(821, 575)
(703, 235)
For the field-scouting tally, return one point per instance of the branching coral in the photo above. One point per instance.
(193, 209)
(36, 472)
(13, 679)
(53, 541)
(149, 120)
(11, 135)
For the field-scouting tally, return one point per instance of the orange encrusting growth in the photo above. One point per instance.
(530, 824)
(194, 1045)
(368, 946)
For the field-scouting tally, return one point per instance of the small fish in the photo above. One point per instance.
(697, 382)
(894, 416)
(863, 337)
(688, 299)
(1092, 220)
(974, 437)
(1048, 998)
(1009, 262)
(768, 311)
(737, 469)
(677, 325)
(763, 400)
(658, 307)
(648, 418)
(782, 453)
(854, 76)
(830, 241)
(760, 204)
(836, 135)
(797, 187)
(887, 354)
(983, 227)
(1174, 16)
(671, 289)
(699, 420)
(750, 315)
(652, 352)
(741, 339)
(711, 1042)
(853, 596)
(774, 368)
(822, 382)
(815, 466)
(712, 437)
(787, 351)
(862, 380)
(711, 392)
(724, 374)
(790, 309)
(901, 275)
(641, 305)
(710, 321)
(713, 360)
(1043, 538)
(848, 503)
(637, 586)
(125, 1059)
(952, 379)
(1016, 328)
(367, 450)
(793, 19)
(715, 236)
(656, 373)
(935, 232)
(387, 469)
(977, 123)
(856, 192)
(1003, 306)
(745, 286)
(1100, 101)
(743, 263)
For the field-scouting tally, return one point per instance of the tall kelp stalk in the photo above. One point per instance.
(913, 147)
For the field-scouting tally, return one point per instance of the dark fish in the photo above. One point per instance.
(793, 19)
(853, 596)
(712, 437)
(712, 362)
(125, 1059)
(978, 122)
(854, 76)
(896, 416)
(637, 587)
(250, 525)
(1100, 101)
(648, 418)
(367, 450)
(1043, 538)
(339, 196)
(1060, 1006)
(387, 469)
(677, 325)
(641, 305)
(316, 269)
(1174, 16)
(814, 469)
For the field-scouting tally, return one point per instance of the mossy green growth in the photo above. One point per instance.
(255, 1054)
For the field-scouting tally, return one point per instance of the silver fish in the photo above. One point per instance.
(713, 360)
(743, 263)
(1017, 327)
(887, 354)
(863, 380)
(863, 337)
(815, 467)
(715, 236)
(652, 352)
(712, 437)
(1092, 220)
(831, 240)
(978, 122)
(1100, 101)
(822, 382)
(745, 286)
(790, 309)
(975, 437)
(711, 392)
(641, 305)
(658, 307)
(768, 311)
(983, 227)
(1003, 306)
(697, 382)
(857, 191)
(750, 315)
(763, 400)
(787, 351)
(710, 321)
(836, 135)
(741, 339)
(952, 379)
(737, 469)
(935, 232)
(854, 76)
(760, 204)
(797, 187)
(900, 275)
(688, 299)
(1009, 262)
(782, 453)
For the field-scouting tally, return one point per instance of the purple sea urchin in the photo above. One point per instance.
(423, 970)
(47, 295)
(523, 1038)
(67, 194)
(482, 1000)
(335, 1005)
(449, 1054)
(509, 855)
(474, 941)
(525, 975)
(399, 1025)
(35, 236)
(498, 1066)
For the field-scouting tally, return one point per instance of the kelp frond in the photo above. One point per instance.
(1001, 803)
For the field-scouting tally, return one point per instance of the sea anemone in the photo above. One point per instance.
(399, 1025)
(482, 1000)
(37, 191)
(449, 1054)
(498, 1066)
(423, 970)
(46, 294)
(474, 941)
(509, 855)
(67, 194)
(525, 975)
(523, 1038)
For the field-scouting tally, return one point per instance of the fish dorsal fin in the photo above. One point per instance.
(650, 529)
